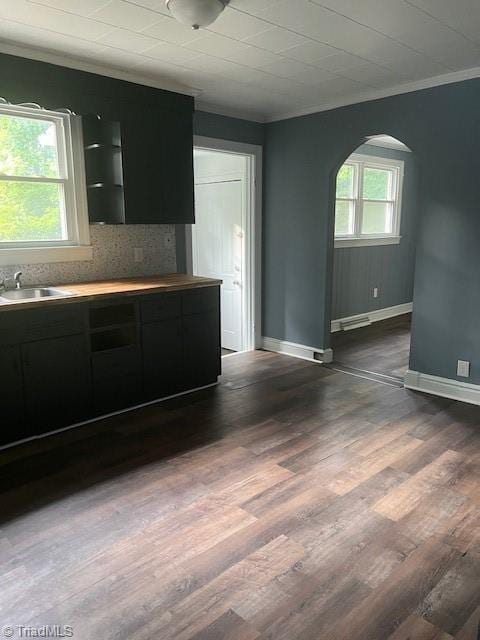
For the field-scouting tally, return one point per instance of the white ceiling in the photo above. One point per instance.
(263, 59)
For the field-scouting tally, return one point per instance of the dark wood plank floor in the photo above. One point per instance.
(383, 347)
(292, 501)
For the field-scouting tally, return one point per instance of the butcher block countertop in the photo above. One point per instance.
(102, 289)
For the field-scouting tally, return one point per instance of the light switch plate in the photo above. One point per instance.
(463, 369)
(375, 292)
(138, 254)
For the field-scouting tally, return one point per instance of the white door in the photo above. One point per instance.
(218, 248)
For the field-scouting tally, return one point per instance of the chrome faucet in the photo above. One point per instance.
(12, 282)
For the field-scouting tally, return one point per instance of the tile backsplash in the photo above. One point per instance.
(113, 256)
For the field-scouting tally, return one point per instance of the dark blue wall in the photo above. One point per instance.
(390, 268)
(212, 125)
(442, 127)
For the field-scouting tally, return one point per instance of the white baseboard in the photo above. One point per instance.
(444, 387)
(322, 356)
(375, 316)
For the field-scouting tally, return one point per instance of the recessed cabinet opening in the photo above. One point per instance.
(115, 314)
(116, 338)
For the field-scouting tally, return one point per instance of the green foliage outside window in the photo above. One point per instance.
(29, 211)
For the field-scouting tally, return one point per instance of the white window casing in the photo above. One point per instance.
(75, 244)
(396, 169)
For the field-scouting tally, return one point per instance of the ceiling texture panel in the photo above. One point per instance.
(262, 59)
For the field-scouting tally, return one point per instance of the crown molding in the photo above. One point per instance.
(409, 87)
(80, 64)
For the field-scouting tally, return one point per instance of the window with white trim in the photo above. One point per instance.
(43, 210)
(368, 201)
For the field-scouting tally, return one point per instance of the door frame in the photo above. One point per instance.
(253, 233)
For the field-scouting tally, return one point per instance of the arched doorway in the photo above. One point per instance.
(376, 213)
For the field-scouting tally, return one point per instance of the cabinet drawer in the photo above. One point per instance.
(200, 300)
(116, 363)
(161, 307)
(41, 324)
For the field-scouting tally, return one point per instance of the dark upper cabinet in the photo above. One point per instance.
(103, 168)
(12, 423)
(178, 190)
(156, 136)
(57, 382)
(158, 167)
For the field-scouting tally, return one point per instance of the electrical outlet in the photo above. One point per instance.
(375, 292)
(167, 241)
(463, 368)
(138, 254)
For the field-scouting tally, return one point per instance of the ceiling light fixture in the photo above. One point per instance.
(196, 13)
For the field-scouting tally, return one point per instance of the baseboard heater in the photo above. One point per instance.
(362, 321)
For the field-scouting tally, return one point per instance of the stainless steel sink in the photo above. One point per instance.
(34, 293)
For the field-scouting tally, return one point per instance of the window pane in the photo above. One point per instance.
(28, 147)
(377, 218)
(346, 181)
(376, 184)
(31, 211)
(344, 216)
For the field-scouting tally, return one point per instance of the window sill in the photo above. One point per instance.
(366, 242)
(40, 255)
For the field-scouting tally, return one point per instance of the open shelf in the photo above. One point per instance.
(112, 315)
(104, 170)
(115, 338)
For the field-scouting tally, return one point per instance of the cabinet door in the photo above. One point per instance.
(162, 358)
(117, 378)
(201, 348)
(157, 151)
(57, 382)
(12, 423)
(178, 188)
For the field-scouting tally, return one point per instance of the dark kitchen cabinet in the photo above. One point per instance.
(117, 379)
(163, 358)
(178, 192)
(158, 167)
(201, 349)
(116, 355)
(57, 382)
(104, 172)
(143, 171)
(66, 363)
(181, 341)
(12, 423)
